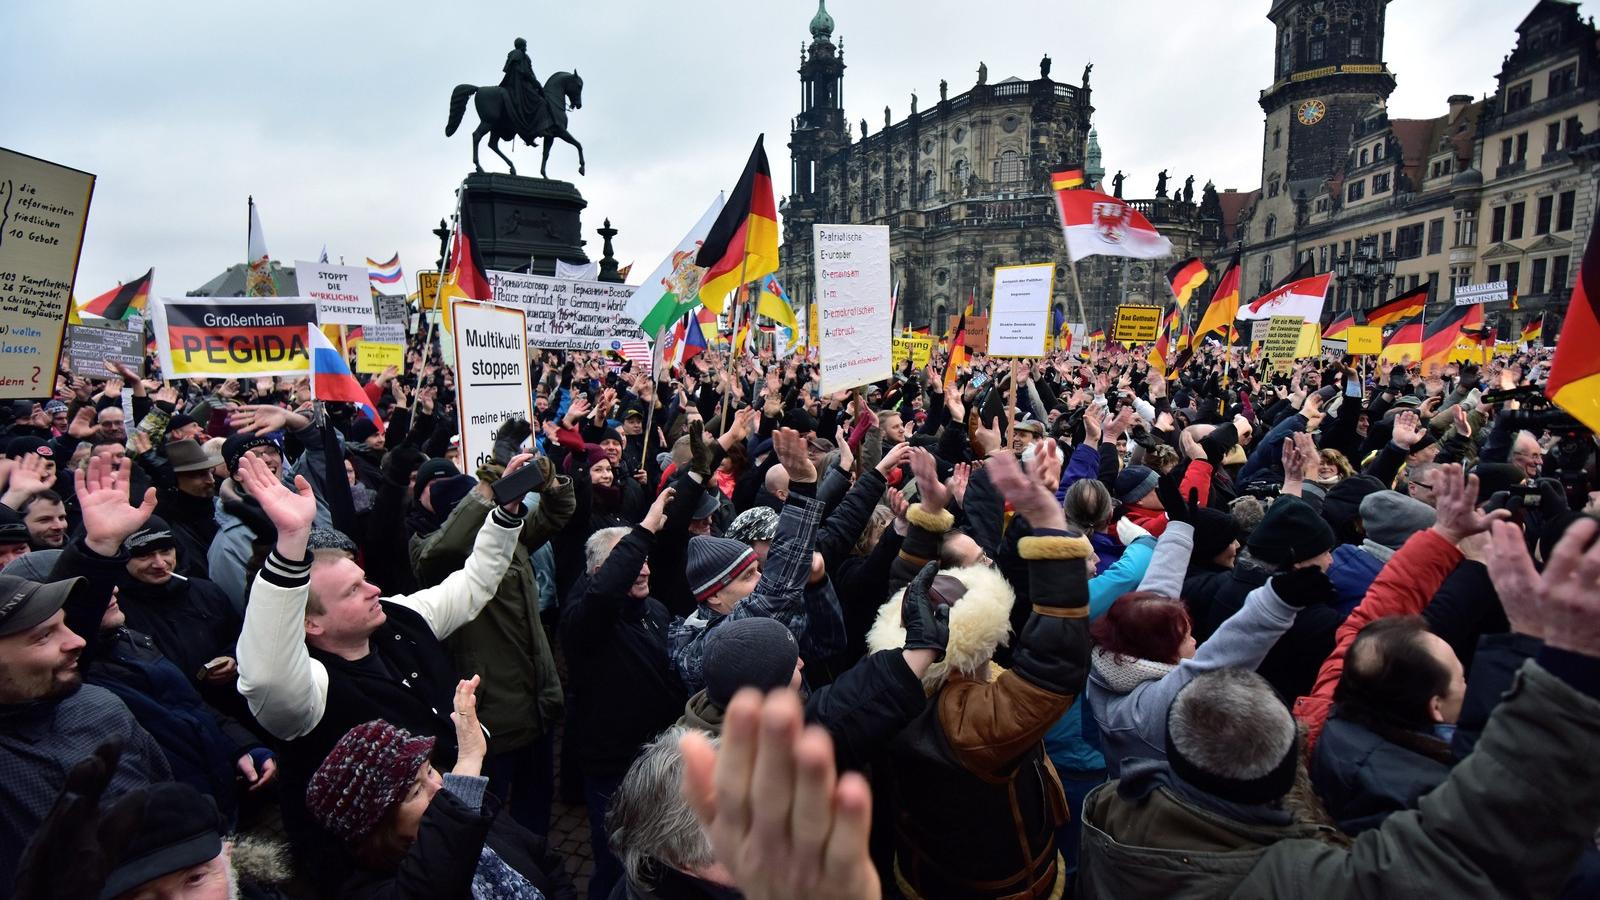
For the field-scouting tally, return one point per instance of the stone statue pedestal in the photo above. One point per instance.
(518, 220)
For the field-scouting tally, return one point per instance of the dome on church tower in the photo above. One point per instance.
(822, 23)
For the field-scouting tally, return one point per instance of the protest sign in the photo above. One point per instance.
(567, 315)
(43, 208)
(86, 350)
(978, 334)
(1487, 292)
(811, 325)
(852, 298)
(428, 289)
(135, 324)
(233, 337)
(1258, 330)
(1283, 338)
(1019, 311)
(391, 310)
(381, 346)
(491, 351)
(342, 293)
(1363, 339)
(1136, 324)
(917, 349)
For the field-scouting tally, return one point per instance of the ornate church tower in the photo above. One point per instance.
(1328, 71)
(819, 130)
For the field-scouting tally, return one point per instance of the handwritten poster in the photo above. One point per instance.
(43, 209)
(342, 293)
(564, 314)
(852, 300)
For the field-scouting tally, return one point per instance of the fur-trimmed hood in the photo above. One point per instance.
(979, 622)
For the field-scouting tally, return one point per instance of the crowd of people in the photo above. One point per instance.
(1067, 627)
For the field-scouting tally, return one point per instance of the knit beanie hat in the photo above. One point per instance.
(1342, 505)
(609, 434)
(800, 420)
(449, 491)
(361, 429)
(368, 771)
(1391, 518)
(237, 445)
(712, 563)
(1291, 532)
(758, 523)
(1214, 530)
(1251, 788)
(758, 653)
(1133, 483)
(438, 467)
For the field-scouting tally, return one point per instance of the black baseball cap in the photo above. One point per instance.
(24, 604)
(179, 827)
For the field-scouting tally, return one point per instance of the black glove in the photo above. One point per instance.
(1301, 588)
(508, 439)
(699, 451)
(400, 464)
(927, 625)
(1170, 494)
(1219, 442)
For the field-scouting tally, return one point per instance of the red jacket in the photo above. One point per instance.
(1404, 586)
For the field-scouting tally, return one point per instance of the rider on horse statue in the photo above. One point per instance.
(520, 107)
(524, 89)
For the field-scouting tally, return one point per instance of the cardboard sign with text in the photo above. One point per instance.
(563, 314)
(428, 289)
(1283, 338)
(1019, 313)
(381, 346)
(342, 293)
(43, 209)
(1136, 324)
(491, 349)
(231, 337)
(86, 350)
(917, 349)
(852, 299)
(1363, 339)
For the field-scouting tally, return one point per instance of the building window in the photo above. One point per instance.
(1541, 216)
(1319, 37)
(1356, 24)
(1494, 272)
(1536, 274)
(1497, 224)
(1519, 96)
(1574, 131)
(1433, 286)
(1563, 80)
(1522, 148)
(1505, 151)
(929, 184)
(1552, 137)
(1380, 183)
(1377, 151)
(1435, 236)
(1564, 210)
(1558, 275)
(1387, 242)
(961, 173)
(1363, 156)
(1272, 186)
(1408, 241)
(1518, 215)
(1009, 167)
(1513, 275)
(1277, 138)
(1466, 228)
(1271, 228)
(1266, 272)
(1355, 191)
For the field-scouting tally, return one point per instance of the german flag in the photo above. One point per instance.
(1405, 345)
(1157, 356)
(464, 278)
(1574, 382)
(1405, 306)
(1066, 179)
(1224, 306)
(122, 301)
(1533, 332)
(742, 244)
(1334, 330)
(922, 330)
(958, 352)
(1099, 335)
(1439, 336)
(1185, 276)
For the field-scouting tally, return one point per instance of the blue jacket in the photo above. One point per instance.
(1352, 572)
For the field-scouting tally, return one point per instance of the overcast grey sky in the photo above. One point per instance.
(332, 114)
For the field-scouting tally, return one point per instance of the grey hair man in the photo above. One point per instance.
(663, 850)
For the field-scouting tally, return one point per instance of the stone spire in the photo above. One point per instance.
(822, 23)
(1093, 172)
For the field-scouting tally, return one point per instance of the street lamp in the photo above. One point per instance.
(1368, 271)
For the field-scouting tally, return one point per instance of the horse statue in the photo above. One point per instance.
(496, 119)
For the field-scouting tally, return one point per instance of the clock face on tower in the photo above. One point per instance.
(1311, 112)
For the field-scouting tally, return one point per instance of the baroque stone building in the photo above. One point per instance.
(963, 184)
(1503, 187)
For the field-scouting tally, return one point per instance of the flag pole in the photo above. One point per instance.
(438, 287)
(650, 415)
(733, 345)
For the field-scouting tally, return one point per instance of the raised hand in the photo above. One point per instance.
(265, 418)
(935, 494)
(793, 455)
(1561, 604)
(898, 504)
(471, 744)
(847, 457)
(656, 516)
(1025, 493)
(897, 456)
(1455, 501)
(108, 517)
(1094, 417)
(30, 475)
(291, 512)
(1463, 425)
(959, 479)
(986, 438)
(1118, 426)
(806, 837)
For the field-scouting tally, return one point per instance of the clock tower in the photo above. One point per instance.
(1328, 71)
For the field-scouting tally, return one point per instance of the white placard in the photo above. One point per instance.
(568, 315)
(852, 266)
(343, 294)
(1019, 313)
(384, 334)
(491, 354)
(1487, 292)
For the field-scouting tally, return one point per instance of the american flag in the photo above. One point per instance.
(635, 351)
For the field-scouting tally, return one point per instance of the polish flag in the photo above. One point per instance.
(1301, 298)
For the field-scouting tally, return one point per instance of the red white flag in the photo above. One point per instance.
(1297, 298)
(1098, 225)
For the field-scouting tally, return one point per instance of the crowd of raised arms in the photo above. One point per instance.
(1051, 628)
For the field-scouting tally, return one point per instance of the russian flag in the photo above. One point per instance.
(331, 378)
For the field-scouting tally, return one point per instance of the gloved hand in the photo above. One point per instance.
(1219, 442)
(1129, 531)
(1301, 588)
(508, 439)
(1170, 494)
(700, 455)
(927, 625)
(400, 464)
